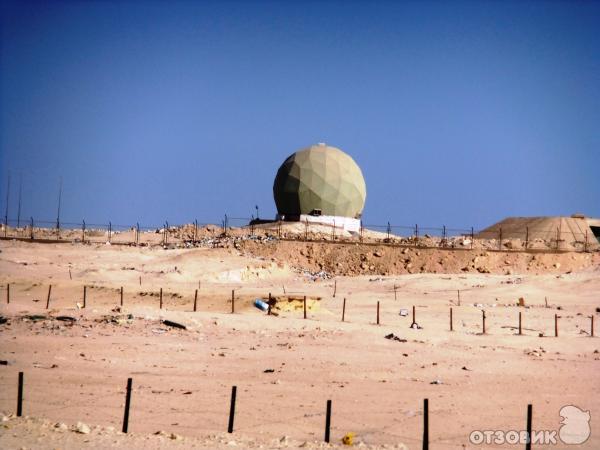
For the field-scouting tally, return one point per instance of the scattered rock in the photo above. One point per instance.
(61, 426)
(82, 428)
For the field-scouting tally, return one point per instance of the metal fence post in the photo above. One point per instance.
(328, 421)
(416, 234)
(232, 409)
(127, 405)
(426, 424)
(529, 420)
(306, 229)
(20, 396)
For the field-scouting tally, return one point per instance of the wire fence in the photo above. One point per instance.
(93, 398)
(490, 318)
(205, 233)
(410, 423)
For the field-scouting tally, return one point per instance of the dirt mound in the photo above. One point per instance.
(367, 259)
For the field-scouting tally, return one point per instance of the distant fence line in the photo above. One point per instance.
(388, 234)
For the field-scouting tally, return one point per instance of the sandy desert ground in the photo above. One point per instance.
(286, 367)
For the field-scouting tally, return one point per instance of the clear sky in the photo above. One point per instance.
(459, 113)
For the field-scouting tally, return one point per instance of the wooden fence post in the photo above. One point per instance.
(305, 306)
(483, 320)
(48, 298)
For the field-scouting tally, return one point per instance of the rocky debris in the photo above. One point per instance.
(393, 337)
(68, 319)
(537, 352)
(82, 428)
(319, 275)
(34, 318)
(59, 426)
(121, 319)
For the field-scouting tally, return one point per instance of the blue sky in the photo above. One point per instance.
(459, 113)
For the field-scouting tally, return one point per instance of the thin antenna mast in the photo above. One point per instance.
(59, 198)
(7, 198)
(19, 209)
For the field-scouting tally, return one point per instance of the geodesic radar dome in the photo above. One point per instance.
(320, 178)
